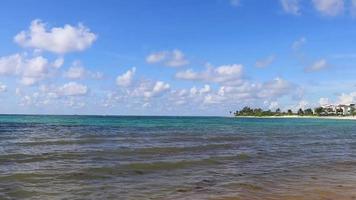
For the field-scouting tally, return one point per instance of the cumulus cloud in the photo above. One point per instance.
(73, 89)
(197, 96)
(273, 105)
(317, 66)
(58, 40)
(77, 71)
(75, 103)
(205, 89)
(58, 63)
(329, 7)
(275, 88)
(246, 93)
(265, 62)
(70, 94)
(159, 88)
(140, 93)
(174, 58)
(323, 101)
(223, 74)
(29, 70)
(149, 89)
(35, 70)
(291, 6)
(347, 98)
(10, 65)
(126, 79)
(2, 87)
(303, 104)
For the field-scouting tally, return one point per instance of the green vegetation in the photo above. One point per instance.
(340, 110)
(258, 112)
(353, 111)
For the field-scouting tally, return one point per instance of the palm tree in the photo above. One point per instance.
(353, 111)
(319, 110)
(308, 111)
(300, 111)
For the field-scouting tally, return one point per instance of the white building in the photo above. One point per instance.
(341, 109)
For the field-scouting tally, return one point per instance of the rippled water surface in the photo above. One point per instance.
(92, 157)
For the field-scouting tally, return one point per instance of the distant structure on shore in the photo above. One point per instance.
(325, 110)
(341, 109)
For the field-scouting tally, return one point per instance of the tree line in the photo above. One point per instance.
(319, 111)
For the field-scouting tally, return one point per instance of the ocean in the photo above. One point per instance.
(134, 158)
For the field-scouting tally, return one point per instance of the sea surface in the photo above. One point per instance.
(118, 157)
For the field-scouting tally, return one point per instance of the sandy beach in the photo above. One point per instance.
(303, 117)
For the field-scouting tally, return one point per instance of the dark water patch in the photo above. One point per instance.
(157, 166)
(160, 165)
(28, 158)
(64, 142)
(175, 150)
(29, 177)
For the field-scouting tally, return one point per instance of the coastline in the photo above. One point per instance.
(300, 117)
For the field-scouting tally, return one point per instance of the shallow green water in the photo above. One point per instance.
(91, 157)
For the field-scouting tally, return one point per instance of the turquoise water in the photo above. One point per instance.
(109, 157)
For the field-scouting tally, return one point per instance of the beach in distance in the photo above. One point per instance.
(302, 117)
(217, 158)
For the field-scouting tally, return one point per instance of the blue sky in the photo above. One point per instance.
(175, 57)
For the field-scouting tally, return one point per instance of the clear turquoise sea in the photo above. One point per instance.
(118, 157)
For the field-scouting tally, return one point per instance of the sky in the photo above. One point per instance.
(175, 57)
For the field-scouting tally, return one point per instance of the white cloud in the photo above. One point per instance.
(2, 87)
(276, 87)
(323, 101)
(126, 79)
(35, 70)
(317, 66)
(57, 40)
(205, 89)
(158, 89)
(265, 62)
(73, 89)
(77, 71)
(299, 43)
(70, 95)
(147, 90)
(174, 58)
(246, 93)
(329, 7)
(347, 98)
(141, 92)
(10, 65)
(273, 105)
(291, 6)
(229, 74)
(38, 98)
(303, 104)
(75, 103)
(29, 70)
(58, 63)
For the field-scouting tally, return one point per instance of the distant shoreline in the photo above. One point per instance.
(300, 117)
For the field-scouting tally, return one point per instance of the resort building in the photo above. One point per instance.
(340, 109)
